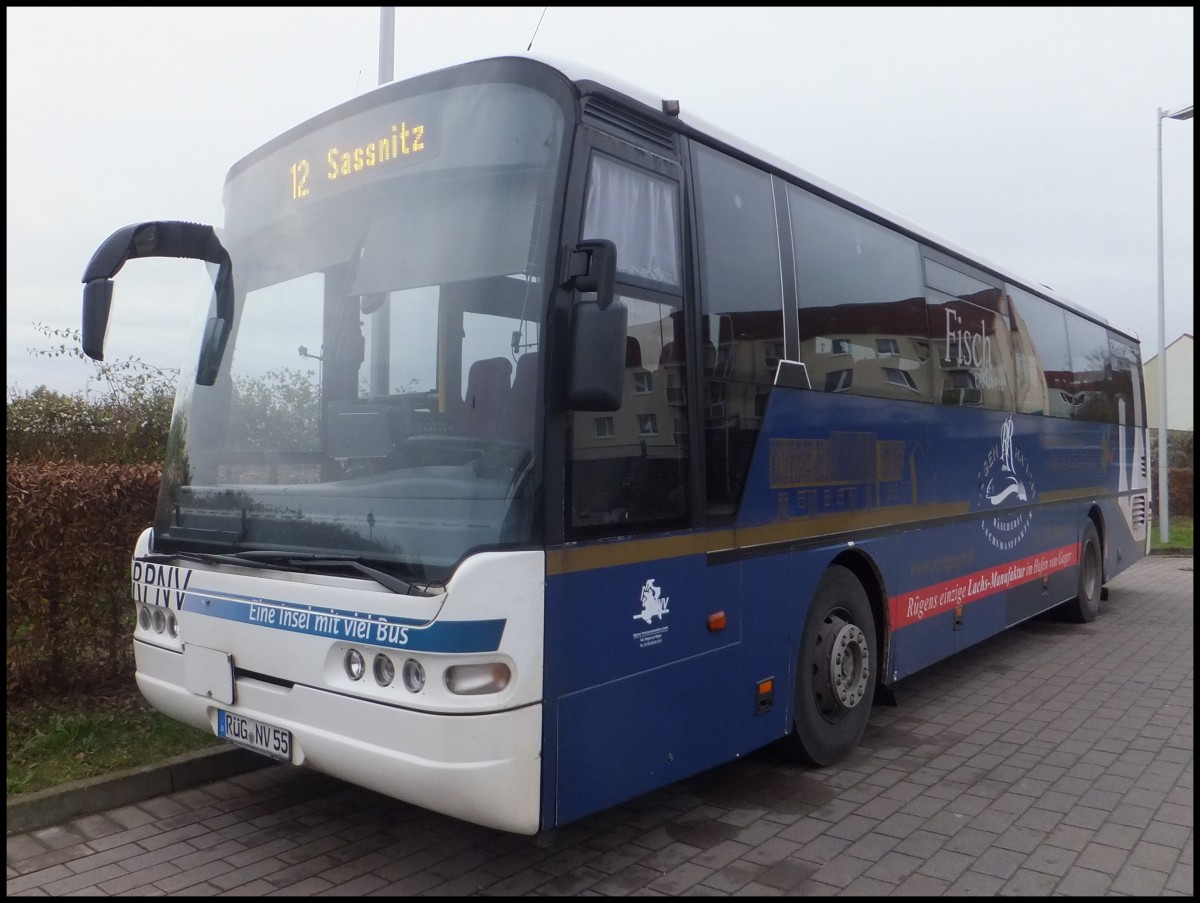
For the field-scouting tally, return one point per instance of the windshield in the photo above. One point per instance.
(379, 396)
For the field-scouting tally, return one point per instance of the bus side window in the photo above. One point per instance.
(628, 469)
(1127, 391)
(741, 293)
(863, 323)
(1091, 370)
(972, 337)
(1044, 328)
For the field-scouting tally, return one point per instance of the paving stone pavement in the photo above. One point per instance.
(1055, 759)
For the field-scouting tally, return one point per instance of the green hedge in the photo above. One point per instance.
(71, 533)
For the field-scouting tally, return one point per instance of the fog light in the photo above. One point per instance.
(160, 620)
(144, 617)
(385, 671)
(475, 680)
(173, 625)
(414, 676)
(355, 665)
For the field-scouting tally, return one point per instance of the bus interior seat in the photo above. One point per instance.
(521, 406)
(633, 353)
(488, 388)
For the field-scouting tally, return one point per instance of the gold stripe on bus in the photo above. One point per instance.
(612, 553)
(830, 525)
(572, 559)
(1075, 495)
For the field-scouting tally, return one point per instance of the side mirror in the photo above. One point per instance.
(597, 368)
(97, 302)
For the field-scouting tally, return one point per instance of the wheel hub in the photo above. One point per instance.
(844, 669)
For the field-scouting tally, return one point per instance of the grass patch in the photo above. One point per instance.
(1180, 535)
(62, 739)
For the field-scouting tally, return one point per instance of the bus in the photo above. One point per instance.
(545, 446)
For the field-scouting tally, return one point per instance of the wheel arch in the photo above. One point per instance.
(863, 567)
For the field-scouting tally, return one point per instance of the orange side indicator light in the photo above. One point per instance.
(716, 621)
(765, 697)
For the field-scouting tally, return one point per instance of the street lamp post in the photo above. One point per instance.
(1164, 528)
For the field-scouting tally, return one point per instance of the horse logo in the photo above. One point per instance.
(654, 603)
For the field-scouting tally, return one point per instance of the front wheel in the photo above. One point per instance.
(835, 670)
(1086, 604)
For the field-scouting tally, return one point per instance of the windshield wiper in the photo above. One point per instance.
(266, 557)
(200, 557)
(312, 559)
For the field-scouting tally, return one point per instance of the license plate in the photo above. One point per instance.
(255, 735)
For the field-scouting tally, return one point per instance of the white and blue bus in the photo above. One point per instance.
(545, 446)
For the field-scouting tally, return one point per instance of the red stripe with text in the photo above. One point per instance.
(916, 605)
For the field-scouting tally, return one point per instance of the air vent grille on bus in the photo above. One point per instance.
(1139, 510)
(1143, 465)
(606, 115)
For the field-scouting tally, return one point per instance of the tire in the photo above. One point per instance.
(1086, 604)
(836, 668)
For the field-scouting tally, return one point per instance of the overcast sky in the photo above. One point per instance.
(1025, 135)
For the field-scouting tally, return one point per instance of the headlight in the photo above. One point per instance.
(160, 620)
(144, 617)
(355, 665)
(385, 671)
(173, 626)
(414, 676)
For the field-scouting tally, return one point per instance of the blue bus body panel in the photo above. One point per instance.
(644, 697)
(938, 502)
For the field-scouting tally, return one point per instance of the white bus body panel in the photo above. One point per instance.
(472, 757)
(485, 769)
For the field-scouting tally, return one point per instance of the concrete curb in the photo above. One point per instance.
(56, 805)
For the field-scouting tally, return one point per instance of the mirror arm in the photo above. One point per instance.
(591, 266)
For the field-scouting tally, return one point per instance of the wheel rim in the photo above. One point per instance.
(842, 666)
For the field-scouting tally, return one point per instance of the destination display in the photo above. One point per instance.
(397, 141)
(364, 159)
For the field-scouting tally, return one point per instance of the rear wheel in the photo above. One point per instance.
(1086, 604)
(835, 673)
